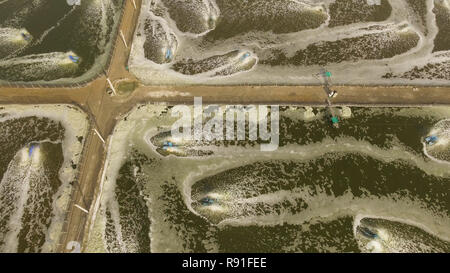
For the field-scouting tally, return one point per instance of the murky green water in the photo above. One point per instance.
(24, 168)
(38, 38)
(368, 186)
(286, 42)
(38, 163)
